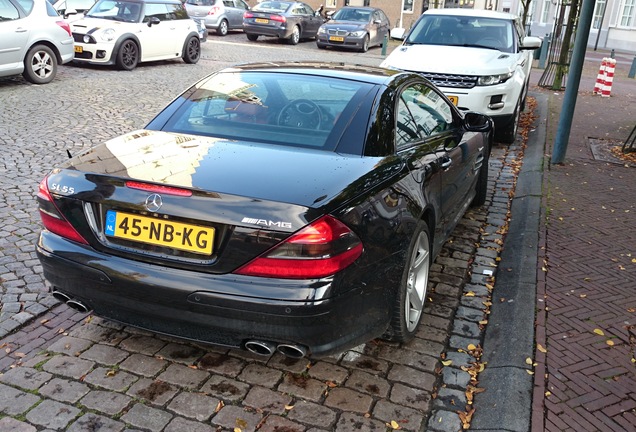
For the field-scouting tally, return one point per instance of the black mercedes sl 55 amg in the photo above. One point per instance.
(291, 207)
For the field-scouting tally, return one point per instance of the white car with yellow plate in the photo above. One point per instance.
(127, 32)
(480, 59)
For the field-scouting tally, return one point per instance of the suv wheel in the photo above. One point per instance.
(128, 55)
(508, 133)
(40, 65)
(251, 37)
(222, 29)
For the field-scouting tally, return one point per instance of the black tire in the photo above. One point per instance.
(408, 305)
(295, 36)
(251, 37)
(321, 46)
(128, 55)
(223, 28)
(192, 50)
(508, 133)
(365, 44)
(481, 189)
(40, 65)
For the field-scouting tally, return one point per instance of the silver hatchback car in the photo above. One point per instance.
(34, 40)
(218, 15)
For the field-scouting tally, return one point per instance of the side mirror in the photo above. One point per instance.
(530, 43)
(70, 12)
(153, 21)
(476, 122)
(397, 33)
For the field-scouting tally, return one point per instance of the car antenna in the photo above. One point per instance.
(68, 153)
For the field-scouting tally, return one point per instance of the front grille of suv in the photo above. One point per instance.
(448, 80)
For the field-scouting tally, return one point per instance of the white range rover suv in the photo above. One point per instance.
(127, 32)
(480, 59)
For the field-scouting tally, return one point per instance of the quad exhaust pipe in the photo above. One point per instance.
(266, 348)
(70, 302)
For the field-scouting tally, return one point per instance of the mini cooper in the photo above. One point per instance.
(127, 32)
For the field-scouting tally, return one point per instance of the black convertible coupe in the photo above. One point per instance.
(291, 207)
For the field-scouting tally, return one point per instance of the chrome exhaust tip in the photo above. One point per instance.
(260, 347)
(59, 295)
(77, 305)
(292, 351)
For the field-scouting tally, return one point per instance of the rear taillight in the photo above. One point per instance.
(168, 190)
(66, 26)
(248, 15)
(52, 218)
(321, 249)
(278, 18)
(214, 10)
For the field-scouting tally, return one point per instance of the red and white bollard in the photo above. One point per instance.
(600, 78)
(609, 77)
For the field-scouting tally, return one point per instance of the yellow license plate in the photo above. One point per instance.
(336, 38)
(453, 99)
(79, 49)
(160, 232)
(261, 21)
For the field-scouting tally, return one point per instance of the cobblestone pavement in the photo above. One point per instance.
(62, 370)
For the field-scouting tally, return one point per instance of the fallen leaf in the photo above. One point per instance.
(331, 384)
(528, 361)
(609, 342)
(541, 348)
(111, 373)
(599, 332)
(471, 347)
(530, 372)
(44, 321)
(447, 362)
(289, 407)
(583, 295)
(394, 425)
(483, 322)
(470, 294)
(219, 406)
(548, 394)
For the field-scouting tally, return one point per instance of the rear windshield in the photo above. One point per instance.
(272, 6)
(280, 108)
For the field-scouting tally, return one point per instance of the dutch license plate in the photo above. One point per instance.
(262, 21)
(453, 99)
(336, 38)
(79, 49)
(160, 232)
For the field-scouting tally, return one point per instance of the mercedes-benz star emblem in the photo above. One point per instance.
(153, 202)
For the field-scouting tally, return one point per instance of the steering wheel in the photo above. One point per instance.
(490, 42)
(300, 113)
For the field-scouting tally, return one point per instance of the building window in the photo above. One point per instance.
(627, 13)
(545, 13)
(330, 3)
(599, 9)
(357, 2)
(408, 6)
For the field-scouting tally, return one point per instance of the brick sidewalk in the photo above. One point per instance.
(586, 381)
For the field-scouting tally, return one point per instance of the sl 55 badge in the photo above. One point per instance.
(61, 189)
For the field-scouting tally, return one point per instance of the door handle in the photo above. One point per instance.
(446, 162)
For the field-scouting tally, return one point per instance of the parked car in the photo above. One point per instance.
(127, 32)
(34, 40)
(354, 27)
(287, 20)
(72, 10)
(480, 59)
(218, 15)
(293, 207)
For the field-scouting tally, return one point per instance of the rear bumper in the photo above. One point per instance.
(218, 309)
(261, 30)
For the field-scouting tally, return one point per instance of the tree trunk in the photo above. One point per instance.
(564, 56)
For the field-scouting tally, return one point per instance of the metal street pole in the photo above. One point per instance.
(574, 78)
